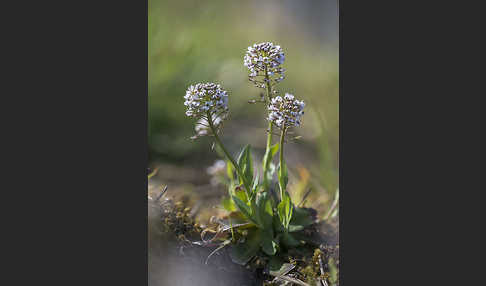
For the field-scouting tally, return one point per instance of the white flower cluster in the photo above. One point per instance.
(286, 111)
(205, 97)
(265, 58)
(202, 125)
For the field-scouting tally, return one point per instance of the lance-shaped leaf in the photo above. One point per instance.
(254, 187)
(269, 246)
(243, 207)
(267, 159)
(230, 169)
(285, 209)
(240, 193)
(246, 165)
(228, 204)
(265, 211)
(301, 218)
(241, 253)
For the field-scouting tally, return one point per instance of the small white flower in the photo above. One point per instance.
(264, 58)
(286, 111)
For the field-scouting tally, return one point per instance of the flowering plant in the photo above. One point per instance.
(260, 218)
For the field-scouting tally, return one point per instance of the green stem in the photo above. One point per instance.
(281, 158)
(228, 156)
(269, 135)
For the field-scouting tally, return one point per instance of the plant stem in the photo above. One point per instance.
(270, 131)
(281, 158)
(228, 156)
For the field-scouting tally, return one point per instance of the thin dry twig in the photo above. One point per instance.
(321, 268)
(162, 193)
(304, 197)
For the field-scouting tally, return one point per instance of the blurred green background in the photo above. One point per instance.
(198, 41)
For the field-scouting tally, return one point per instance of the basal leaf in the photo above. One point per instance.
(241, 253)
(254, 211)
(294, 228)
(285, 210)
(268, 245)
(265, 211)
(242, 207)
(228, 204)
(289, 240)
(241, 194)
(300, 219)
(246, 165)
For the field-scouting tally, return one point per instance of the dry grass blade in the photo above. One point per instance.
(292, 280)
(334, 205)
(217, 249)
(281, 275)
(286, 268)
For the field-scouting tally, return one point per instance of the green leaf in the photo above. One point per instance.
(283, 177)
(285, 209)
(300, 219)
(228, 204)
(265, 211)
(276, 264)
(289, 240)
(254, 212)
(277, 224)
(230, 169)
(268, 245)
(274, 150)
(268, 166)
(246, 165)
(241, 194)
(271, 171)
(241, 253)
(269, 154)
(255, 184)
(295, 228)
(242, 207)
